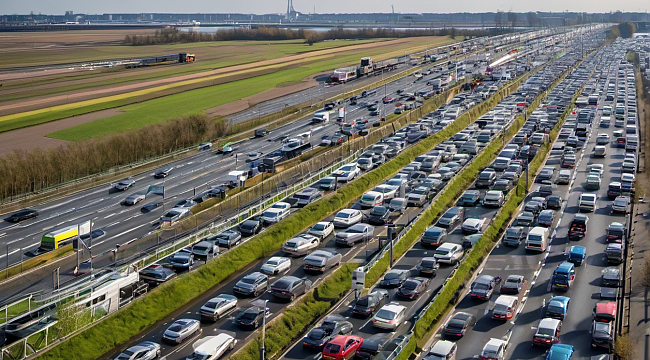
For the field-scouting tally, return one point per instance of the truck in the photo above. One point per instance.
(343, 75)
(366, 67)
(321, 117)
(235, 178)
(295, 146)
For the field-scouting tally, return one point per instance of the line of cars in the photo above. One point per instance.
(409, 284)
(478, 315)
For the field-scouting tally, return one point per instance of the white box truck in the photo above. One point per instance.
(321, 117)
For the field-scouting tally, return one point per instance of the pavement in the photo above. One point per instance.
(639, 326)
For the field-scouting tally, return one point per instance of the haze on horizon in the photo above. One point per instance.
(308, 6)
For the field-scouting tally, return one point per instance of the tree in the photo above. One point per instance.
(626, 29)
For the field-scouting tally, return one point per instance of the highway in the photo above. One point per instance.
(190, 176)
(538, 268)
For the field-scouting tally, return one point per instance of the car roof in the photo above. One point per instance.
(549, 323)
(505, 299)
(442, 347)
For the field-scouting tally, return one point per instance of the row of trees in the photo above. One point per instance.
(34, 170)
(173, 35)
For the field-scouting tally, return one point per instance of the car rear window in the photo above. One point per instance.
(332, 348)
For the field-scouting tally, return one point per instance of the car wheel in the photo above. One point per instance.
(256, 324)
(293, 297)
(158, 353)
(232, 346)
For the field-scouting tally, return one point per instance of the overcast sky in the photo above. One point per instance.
(307, 6)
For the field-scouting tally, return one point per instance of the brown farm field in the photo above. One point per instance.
(30, 101)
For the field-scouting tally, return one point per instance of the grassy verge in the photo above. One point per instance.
(37, 261)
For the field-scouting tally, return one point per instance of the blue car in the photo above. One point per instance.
(181, 260)
(577, 254)
(557, 307)
(559, 352)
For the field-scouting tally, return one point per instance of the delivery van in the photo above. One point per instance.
(537, 239)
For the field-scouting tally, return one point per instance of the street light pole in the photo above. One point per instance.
(262, 349)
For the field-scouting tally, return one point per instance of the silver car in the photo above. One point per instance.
(181, 330)
(354, 234)
(217, 307)
(301, 244)
(124, 184)
(145, 350)
(133, 199)
(252, 284)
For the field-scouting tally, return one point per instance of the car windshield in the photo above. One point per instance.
(282, 284)
(490, 353)
(291, 245)
(386, 314)
(344, 215)
(427, 263)
(316, 334)
(410, 285)
(176, 327)
(545, 331)
(500, 308)
(555, 307)
(480, 286)
(363, 301)
(270, 214)
(378, 210)
(248, 280)
(442, 251)
(248, 225)
(214, 304)
(249, 315)
(198, 356)
(392, 275)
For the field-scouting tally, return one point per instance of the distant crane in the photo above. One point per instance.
(392, 7)
(291, 13)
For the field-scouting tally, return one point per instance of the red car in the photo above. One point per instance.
(342, 347)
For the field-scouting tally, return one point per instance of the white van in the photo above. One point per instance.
(537, 239)
(370, 199)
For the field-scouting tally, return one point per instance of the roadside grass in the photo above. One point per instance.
(193, 101)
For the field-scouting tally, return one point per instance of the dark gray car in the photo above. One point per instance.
(290, 287)
(252, 285)
(355, 234)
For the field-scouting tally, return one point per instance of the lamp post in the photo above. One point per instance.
(262, 349)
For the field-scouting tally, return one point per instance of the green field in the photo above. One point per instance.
(194, 101)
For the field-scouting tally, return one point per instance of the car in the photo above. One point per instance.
(554, 202)
(322, 229)
(469, 198)
(319, 336)
(185, 203)
(347, 217)
(251, 317)
(368, 304)
(394, 278)
(156, 274)
(513, 284)
(621, 205)
(290, 287)
(433, 236)
(375, 345)
(151, 206)
(587, 202)
(548, 332)
(428, 266)
(276, 265)
(22, 215)
(602, 335)
(307, 196)
(449, 253)
(146, 350)
(180, 330)
(494, 349)
(578, 227)
(483, 287)
(301, 245)
(228, 238)
(204, 146)
(559, 352)
(557, 307)
(175, 214)
(452, 218)
(163, 173)
(469, 240)
(273, 215)
(533, 206)
(546, 218)
(124, 184)
(342, 347)
(457, 325)
(611, 277)
(321, 260)
(347, 173)
(472, 225)
(493, 198)
(379, 215)
(602, 139)
(181, 260)
(252, 284)
(413, 288)
(503, 185)
(442, 350)
(514, 236)
(203, 250)
(390, 316)
(250, 227)
(388, 191)
(212, 347)
(327, 183)
(218, 307)
(354, 234)
(592, 182)
(577, 254)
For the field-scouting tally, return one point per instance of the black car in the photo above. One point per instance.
(151, 206)
(379, 215)
(394, 278)
(458, 325)
(469, 198)
(162, 173)
(156, 274)
(373, 345)
(413, 288)
(513, 284)
(21, 215)
(328, 330)
(251, 318)
(290, 287)
(554, 202)
(367, 305)
(428, 266)
(250, 227)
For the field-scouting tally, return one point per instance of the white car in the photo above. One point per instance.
(472, 225)
(212, 347)
(389, 191)
(218, 307)
(449, 253)
(276, 265)
(347, 172)
(181, 330)
(322, 229)
(597, 168)
(273, 215)
(495, 349)
(146, 350)
(602, 139)
(281, 205)
(301, 245)
(390, 316)
(133, 199)
(347, 217)
(446, 173)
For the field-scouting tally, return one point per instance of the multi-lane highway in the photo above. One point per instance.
(538, 268)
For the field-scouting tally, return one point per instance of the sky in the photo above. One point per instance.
(307, 6)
